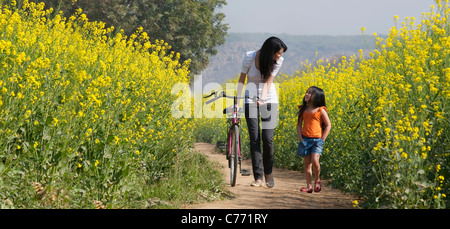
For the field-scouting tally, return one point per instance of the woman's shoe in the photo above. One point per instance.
(307, 189)
(256, 183)
(318, 186)
(269, 181)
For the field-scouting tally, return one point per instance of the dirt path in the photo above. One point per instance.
(285, 194)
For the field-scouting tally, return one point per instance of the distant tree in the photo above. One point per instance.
(192, 27)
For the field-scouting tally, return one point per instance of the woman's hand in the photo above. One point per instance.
(260, 103)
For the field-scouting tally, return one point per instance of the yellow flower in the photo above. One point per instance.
(404, 155)
(88, 132)
(55, 121)
(116, 140)
(355, 203)
(424, 156)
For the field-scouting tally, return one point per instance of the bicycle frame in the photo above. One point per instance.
(233, 156)
(233, 121)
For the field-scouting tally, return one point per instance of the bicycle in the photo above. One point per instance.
(233, 143)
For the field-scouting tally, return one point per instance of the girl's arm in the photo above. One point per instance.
(326, 121)
(299, 129)
(265, 90)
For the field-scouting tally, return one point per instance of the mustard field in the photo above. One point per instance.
(85, 119)
(389, 141)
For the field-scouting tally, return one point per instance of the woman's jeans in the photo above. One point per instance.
(268, 113)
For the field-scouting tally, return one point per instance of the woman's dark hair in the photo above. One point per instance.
(319, 100)
(266, 63)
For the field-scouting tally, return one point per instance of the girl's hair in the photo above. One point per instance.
(318, 101)
(266, 63)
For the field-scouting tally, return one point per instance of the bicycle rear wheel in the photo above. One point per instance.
(234, 147)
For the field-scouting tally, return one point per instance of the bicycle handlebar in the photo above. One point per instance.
(222, 94)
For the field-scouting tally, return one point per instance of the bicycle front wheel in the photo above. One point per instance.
(234, 147)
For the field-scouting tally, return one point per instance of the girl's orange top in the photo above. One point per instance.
(312, 124)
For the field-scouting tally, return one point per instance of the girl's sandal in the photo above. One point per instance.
(318, 186)
(307, 189)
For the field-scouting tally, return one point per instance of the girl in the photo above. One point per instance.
(259, 68)
(313, 127)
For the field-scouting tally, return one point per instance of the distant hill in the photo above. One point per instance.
(228, 61)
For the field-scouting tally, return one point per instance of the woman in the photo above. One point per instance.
(260, 68)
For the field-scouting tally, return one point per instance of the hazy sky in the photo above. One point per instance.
(319, 17)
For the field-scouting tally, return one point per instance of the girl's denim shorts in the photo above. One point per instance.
(310, 145)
